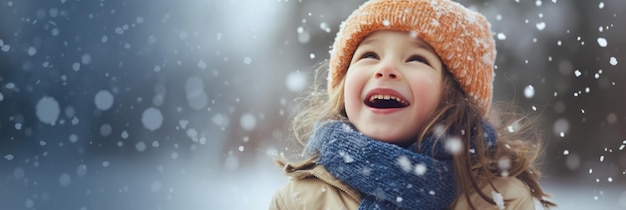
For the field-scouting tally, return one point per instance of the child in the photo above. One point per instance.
(405, 124)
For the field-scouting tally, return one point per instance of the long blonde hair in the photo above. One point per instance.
(518, 143)
(459, 115)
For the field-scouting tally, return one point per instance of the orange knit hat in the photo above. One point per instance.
(462, 38)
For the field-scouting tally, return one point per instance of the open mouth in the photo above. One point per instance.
(385, 101)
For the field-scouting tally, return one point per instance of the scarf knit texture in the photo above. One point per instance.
(388, 176)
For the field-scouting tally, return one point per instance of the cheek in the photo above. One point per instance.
(428, 91)
(352, 92)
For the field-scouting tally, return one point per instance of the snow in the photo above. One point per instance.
(453, 145)
(399, 199)
(602, 42)
(55, 32)
(529, 91)
(29, 203)
(324, 26)
(499, 199)
(347, 158)
(504, 163)
(405, 163)
(573, 161)
(296, 81)
(65, 180)
(76, 66)
(152, 119)
(247, 60)
(81, 170)
(197, 98)
(561, 126)
(303, 35)
(201, 64)
(32, 51)
(75, 121)
(104, 100)
(73, 138)
(47, 110)
(613, 61)
(140, 146)
(9, 157)
(10, 85)
(420, 169)
(220, 120)
(501, 36)
(248, 121)
(124, 135)
(105, 130)
(85, 59)
(541, 26)
(386, 23)
(193, 134)
(53, 12)
(577, 73)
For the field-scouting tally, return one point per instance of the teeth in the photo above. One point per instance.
(386, 97)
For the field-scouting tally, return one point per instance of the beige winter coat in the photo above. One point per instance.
(311, 187)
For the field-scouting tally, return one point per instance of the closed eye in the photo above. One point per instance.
(419, 58)
(370, 55)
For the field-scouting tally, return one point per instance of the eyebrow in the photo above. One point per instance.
(369, 40)
(421, 44)
(415, 42)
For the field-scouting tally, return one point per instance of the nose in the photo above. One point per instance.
(387, 71)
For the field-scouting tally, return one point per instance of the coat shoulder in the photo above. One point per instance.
(514, 192)
(308, 188)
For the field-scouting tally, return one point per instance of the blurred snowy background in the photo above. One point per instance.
(113, 104)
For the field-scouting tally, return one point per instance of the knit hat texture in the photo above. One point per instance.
(462, 38)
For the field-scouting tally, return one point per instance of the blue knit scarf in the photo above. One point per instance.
(387, 176)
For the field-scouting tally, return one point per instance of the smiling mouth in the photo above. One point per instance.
(384, 101)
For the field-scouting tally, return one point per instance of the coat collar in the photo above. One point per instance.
(309, 169)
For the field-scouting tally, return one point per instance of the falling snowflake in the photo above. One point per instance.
(405, 163)
(346, 157)
(602, 42)
(497, 197)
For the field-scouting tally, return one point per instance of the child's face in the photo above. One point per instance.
(393, 85)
